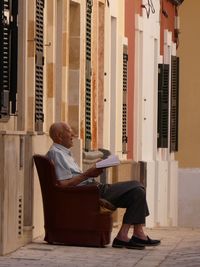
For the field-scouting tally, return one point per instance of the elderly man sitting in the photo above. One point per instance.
(130, 195)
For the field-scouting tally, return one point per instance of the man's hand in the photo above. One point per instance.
(75, 180)
(93, 172)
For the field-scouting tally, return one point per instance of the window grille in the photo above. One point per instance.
(8, 56)
(39, 62)
(14, 55)
(124, 111)
(163, 105)
(88, 76)
(174, 104)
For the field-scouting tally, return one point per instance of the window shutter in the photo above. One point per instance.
(163, 105)
(124, 111)
(14, 53)
(174, 104)
(4, 57)
(88, 76)
(8, 56)
(39, 62)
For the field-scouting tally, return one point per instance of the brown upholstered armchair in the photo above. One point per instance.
(72, 215)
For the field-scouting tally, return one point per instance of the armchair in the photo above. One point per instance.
(72, 215)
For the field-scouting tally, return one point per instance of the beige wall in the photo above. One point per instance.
(189, 122)
(189, 110)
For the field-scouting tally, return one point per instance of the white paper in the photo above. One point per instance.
(112, 160)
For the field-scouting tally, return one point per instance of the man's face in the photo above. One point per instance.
(67, 136)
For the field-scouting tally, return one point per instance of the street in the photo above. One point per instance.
(179, 247)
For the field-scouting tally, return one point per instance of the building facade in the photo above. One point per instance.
(153, 102)
(104, 66)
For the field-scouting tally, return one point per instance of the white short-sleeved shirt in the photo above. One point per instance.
(65, 165)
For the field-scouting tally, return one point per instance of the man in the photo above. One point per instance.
(130, 195)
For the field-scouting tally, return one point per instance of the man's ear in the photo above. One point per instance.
(60, 137)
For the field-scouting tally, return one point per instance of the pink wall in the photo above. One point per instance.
(166, 22)
(131, 8)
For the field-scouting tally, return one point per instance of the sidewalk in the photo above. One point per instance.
(179, 247)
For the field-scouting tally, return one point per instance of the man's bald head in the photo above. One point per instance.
(61, 133)
(55, 130)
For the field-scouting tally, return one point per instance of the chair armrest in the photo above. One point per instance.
(83, 189)
(83, 198)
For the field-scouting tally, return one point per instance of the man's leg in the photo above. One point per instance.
(127, 195)
(137, 231)
(136, 212)
(130, 195)
(123, 232)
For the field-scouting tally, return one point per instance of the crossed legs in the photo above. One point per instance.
(130, 195)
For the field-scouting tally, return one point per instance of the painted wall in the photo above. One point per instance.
(113, 79)
(189, 110)
(167, 21)
(131, 9)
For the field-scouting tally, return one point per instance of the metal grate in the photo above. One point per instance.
(8, 56)
(124, 111)
(39, 62)
(88, 76)
(163, 105)
(14, 55)
(174, 104)
(4, 57)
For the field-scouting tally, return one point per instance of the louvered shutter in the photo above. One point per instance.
(124, 111)
(4, 57)
(8, 56)
(14, 57)
(174, 104)
(163, 105)
(39, 62)
(88, 76)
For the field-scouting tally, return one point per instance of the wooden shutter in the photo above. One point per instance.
(4, 57)
(124, 111)
(174, 104)
(88, 76)
(14, 55)
(8, 56)
(163, 105)
(39, 62)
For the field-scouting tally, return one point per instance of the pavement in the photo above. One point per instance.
(179, 247)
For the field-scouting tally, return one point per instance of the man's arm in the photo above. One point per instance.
(75, 180)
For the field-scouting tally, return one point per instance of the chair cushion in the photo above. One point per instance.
(106, 206)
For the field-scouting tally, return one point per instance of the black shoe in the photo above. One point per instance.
(148, 242)
(126, 244)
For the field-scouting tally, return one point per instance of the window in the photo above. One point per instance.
(88, 77)
(124, 111)
(174, 104)
(163, 105)
(39, 62)
(8, 57)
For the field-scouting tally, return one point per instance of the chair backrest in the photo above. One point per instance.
(47, 177)
(46, 170)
